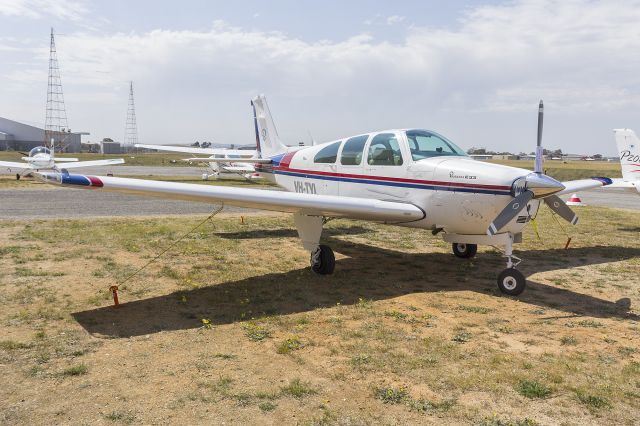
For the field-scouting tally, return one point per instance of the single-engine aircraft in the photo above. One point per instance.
(220, 161)
(408, 177)
(43, 158)
(629, 150)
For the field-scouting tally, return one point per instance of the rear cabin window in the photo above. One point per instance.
(328, 154)
(352, 151)
(384, 150)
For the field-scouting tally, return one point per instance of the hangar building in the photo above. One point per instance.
(15, 136)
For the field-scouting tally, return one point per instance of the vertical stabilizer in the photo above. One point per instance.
(629, 151)
(268, 142)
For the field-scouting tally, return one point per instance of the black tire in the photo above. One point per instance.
(464, 251)
(323, 262)
(511, 282)
(17, 176)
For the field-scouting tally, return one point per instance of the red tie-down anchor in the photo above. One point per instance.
(114, 290)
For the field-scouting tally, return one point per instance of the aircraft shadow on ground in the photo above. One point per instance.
(367, 272)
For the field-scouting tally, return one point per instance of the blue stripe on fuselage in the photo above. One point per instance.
(75, 180)
(396, 184)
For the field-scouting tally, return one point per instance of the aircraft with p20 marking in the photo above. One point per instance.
(407, 177)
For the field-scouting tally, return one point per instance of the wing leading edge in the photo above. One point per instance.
(582, 184)
(308, 204)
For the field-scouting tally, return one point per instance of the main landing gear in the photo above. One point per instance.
(323, 262)
(510, 281)
(464, 250)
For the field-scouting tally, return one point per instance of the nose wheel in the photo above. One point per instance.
(511, 282)
(323, 262)
(464, 250)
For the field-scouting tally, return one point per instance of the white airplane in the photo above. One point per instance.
(220, 160)
(407, 177)
(43, 158)
(629, 150)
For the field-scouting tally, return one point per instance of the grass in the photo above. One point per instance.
(290, 344)
(76, 370)
(297, 388)
(391, 395)
(121, 417)
(433, 341)
(593, 402)
(533, 389)
(255, 331)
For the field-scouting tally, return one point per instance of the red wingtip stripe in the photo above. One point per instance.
(95, 181)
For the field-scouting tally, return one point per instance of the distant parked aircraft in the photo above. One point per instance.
(629, 151)
(220, 160)
(43, 158)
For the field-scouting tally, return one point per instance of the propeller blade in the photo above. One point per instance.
(538, 163)
(26, 154)
(557, 205)
(508, 213)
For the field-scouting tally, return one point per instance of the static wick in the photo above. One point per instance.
(566, 246)
(114, 289)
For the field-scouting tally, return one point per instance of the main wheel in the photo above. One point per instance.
(464, 250)
(17, 176)
(323, 261)
(511, 282)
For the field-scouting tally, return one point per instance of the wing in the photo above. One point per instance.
(582, 184)
(90, 163)
(208, 151)
(13, 165)
(621, 183)
(237, 169)
(290, 202)
(64, 159)
(230, 160)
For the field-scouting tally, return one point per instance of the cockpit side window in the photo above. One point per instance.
(328, 154)
(424, 144)
(384, 150)
(352, 151)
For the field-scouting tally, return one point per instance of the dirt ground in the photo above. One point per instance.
(231, 327)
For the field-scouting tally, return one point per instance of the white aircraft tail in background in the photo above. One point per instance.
(629, 151)
(267, 139)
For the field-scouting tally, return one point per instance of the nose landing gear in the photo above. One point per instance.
(510, 281)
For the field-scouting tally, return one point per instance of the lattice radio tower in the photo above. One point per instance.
(131, 127)
(55, 125)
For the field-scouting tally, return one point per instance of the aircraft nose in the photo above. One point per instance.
(542, 185)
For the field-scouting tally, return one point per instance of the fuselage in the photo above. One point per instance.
(457, 194)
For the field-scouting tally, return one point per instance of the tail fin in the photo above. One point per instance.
(268, 142)
(629, 150)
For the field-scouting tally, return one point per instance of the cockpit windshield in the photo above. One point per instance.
(425, 144)
(39, 150)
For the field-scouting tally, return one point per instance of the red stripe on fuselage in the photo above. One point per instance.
(393, 179)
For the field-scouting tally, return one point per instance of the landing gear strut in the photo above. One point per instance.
(323, 261)
(464, 250)
(511, 281)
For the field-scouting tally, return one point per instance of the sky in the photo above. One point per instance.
(473, 71)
